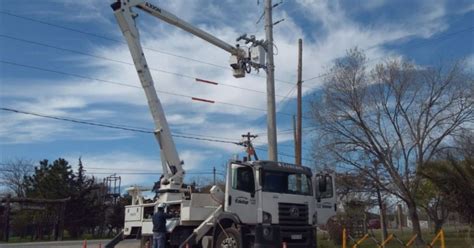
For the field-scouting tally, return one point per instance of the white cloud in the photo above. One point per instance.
(372, 4)
(179, 119)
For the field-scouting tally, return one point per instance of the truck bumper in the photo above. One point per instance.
(271, 236)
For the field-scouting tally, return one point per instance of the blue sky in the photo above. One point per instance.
(53, 51)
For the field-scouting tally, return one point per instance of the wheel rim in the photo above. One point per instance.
(229, 242)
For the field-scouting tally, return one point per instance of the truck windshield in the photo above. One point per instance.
(286, 182)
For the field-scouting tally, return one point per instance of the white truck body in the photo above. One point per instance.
(259, 196)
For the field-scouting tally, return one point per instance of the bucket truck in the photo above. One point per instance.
(261, 205)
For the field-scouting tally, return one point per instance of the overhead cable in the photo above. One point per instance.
(130, 85)
(121, 41)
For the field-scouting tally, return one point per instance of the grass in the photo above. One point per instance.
(453, 239)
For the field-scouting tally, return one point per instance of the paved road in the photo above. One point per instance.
(71, 244)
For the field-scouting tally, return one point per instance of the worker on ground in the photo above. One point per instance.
(159, 227)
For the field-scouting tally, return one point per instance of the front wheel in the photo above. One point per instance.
(229, 238)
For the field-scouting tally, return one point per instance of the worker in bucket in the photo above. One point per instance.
(159, 226)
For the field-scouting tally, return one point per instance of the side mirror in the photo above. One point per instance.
(322, 183)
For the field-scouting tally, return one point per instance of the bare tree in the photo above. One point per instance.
(391, 119)
(13, 173)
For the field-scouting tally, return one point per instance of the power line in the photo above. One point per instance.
(138, 170)
(286, 155)
(284, 145)
(127, 63)
(90, 123)
(123, 42)
(282, 102)
(87, 168)
(309, 128)
(121, 172)
(76, 121)
(103, 37)
(129, 85)
(184, 136)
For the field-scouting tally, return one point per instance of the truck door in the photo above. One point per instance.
(325, 196)
(241, 193)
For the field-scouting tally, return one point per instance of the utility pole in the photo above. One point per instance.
(295, 139)
(214, 174)
(248, 145)
(298, 140)
(271, 112)
(6, 219)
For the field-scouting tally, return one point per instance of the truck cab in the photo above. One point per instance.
(272, 202)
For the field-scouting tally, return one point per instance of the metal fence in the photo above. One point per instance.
(348, 239)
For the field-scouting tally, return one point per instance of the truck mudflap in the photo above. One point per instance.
(267, 236)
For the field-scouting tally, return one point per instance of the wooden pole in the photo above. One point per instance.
(214, 174)
(61, 221)
(299, 107)
(271, 105)
(6, 227)
(295, 138)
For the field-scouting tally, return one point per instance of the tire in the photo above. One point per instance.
(229, 238)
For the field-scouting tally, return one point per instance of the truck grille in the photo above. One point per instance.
(290, 214)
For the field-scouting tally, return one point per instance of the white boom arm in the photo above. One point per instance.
(123, 9)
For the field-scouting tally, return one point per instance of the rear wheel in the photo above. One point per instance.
(229, 238)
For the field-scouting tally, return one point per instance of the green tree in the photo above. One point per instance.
(455, 178)
(84, 210)
(50, 181)
(435, 203)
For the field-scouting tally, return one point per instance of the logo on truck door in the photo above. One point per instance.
(242, 200)
(324, 205)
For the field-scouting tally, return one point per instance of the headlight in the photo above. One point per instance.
(267, 233)
(267, 217)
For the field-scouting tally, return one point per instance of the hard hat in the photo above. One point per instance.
(161, 205)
